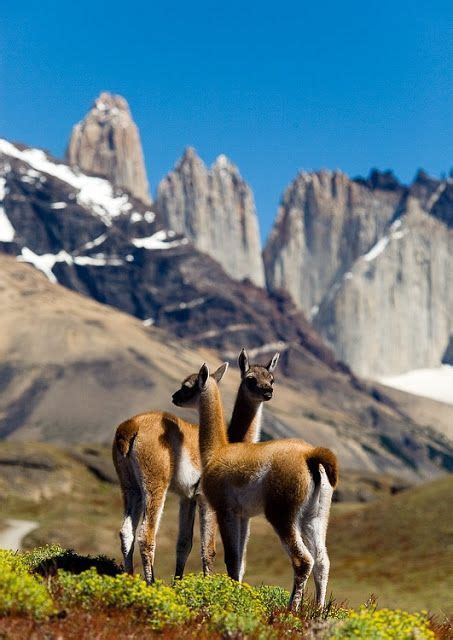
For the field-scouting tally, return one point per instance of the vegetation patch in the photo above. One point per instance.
(20, 591)
(384, 624)
(195, 607)
(158, 603)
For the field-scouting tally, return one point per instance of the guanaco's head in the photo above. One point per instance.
(257, 379)
(191, 387)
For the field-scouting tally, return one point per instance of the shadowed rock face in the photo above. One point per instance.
(370, 261)
(324, 222)
(215, 209)
(394, 311)
(107, 143)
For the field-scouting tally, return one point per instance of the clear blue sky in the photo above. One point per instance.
(276, 86)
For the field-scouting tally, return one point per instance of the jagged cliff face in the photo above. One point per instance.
(371, 262)
(107, 143)
(393, 311)
(324, 222)
(215, 209)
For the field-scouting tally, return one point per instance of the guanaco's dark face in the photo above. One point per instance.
(191, 387)
(257, 379)
(187, 395)
(259, 382)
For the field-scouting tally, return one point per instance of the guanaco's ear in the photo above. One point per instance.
(272, 364)
(243, 362)
(218, 375)
(203, 375)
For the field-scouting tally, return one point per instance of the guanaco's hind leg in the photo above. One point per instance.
(187, 507)
(314, 530)
(301, 558)
(208, 531)
(154, 504)
(133, 507)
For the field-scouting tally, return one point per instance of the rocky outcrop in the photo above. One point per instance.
(324, 222)
(370, 262)
(107, 143)
(393, 311)
(215, 209)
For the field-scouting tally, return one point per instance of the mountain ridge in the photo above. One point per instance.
(106, 142)
(214, 208)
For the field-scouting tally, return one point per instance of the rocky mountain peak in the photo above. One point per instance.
(190, 154)
(107, 143)
(215, 209)
(223, 162)
(190, 159)
(384, 180)
(111, 105)
(367, 260)
(320, 229)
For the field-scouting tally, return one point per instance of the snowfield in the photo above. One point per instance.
(158, 241)
(436, 384)
(6, 228)
(96, 194)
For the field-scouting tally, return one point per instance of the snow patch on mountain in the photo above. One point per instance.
(45, 262)
(95, 194)
(7, 232)
(436, 384)
(158, 241)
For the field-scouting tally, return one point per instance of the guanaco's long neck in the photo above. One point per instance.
(212, 434)
(245, 424)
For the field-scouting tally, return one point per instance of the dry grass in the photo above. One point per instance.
(95, 625)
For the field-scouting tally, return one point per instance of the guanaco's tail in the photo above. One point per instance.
(125, 436)
(321, 455)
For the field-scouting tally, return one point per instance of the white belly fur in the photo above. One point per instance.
(186, 476)
(248, 500)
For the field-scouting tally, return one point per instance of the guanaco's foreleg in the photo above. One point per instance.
(208, 531)
(187, 508)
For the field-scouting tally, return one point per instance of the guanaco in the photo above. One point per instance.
(289, 480)
(157, 452)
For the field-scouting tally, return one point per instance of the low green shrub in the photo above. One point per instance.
(272, 598)
(34, 558)
(289, 621)
(231, 624)
(159, 603)
(226, 604)
(383, 624)
(219, 594)
(21, 592)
